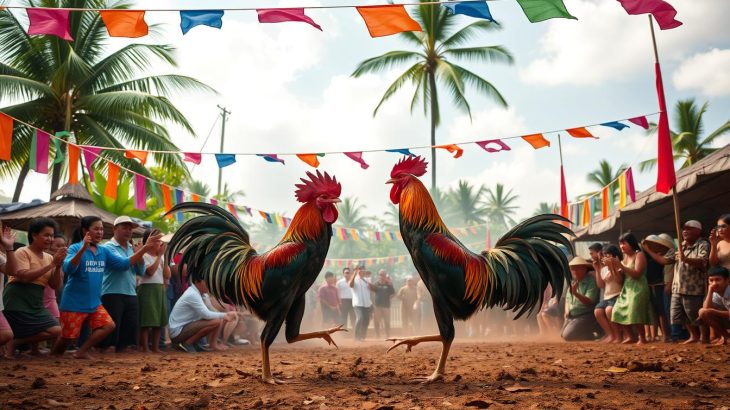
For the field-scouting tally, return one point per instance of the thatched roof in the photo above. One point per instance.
(67, 206)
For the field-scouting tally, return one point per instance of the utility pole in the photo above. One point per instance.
(224, 114)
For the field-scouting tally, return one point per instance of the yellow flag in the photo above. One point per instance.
(622, 190)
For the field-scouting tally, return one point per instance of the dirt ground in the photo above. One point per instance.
(480, 375)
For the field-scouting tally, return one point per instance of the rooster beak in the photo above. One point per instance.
(390, 181)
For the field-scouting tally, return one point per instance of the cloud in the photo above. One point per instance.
(704, 72)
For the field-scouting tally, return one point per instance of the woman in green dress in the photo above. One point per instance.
(633, 307)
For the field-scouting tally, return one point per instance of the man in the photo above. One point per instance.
(580, 324)
(191, 320)
(345, 293)
(329, 300)
(383, 292)
(361, 301)
(688, 284)
(408, 296)
(119, 288)
(715, 311)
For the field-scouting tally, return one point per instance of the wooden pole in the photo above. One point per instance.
(675, 201)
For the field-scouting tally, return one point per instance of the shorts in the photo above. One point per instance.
(4, 325)
(191, 329)
(71, 322)
(685, 309)
(656, 297)
(607, 302)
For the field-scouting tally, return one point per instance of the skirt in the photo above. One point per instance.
(633, 306)
(26, 325)
(152, 305)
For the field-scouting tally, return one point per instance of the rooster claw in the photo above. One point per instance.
(409, 343)
(428, 380)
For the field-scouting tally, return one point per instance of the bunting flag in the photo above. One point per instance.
(341, 234)
(90, 155)
(615, 125)
(354, 234)
(387, 20)
(195, 197)
(38, 159)
(125, 23)
(74, 152)
(59, 158)
(285, 14)
(476, 9)
(377, 236)
(138, 155)
(488, 146)
(140, 192)
(630, 184)
(271, 158)
(232, 210)
(166, 199)
(580, 132)
(266, 216)
(622, 190)
(194, 157)
(640, 121)
(586, 213)
(357, 157)
(536, 140)
(452, 148)
(53, 22)
(6, 137)
(563, 195)
(604, 202)
(310, 159)
(663, 12)
(194, 18)
(213, 201)
(404, 151)
(489, 238)
(666, 178)
(112, 179)
(541, 10)
(225, 160)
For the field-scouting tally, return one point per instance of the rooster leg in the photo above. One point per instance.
(267, 338)
(294, 321)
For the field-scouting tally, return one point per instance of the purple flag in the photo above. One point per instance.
(90, 155)
(288, 14)
(49, 21)
(640, 121)
(357, 157)
(271, 158)
(140, 192)
(500, 146)
(630, 184)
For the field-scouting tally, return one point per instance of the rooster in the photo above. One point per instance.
(513, 275)
(271, 285)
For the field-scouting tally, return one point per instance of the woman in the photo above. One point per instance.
(85, 265)
(655, 246)
(632, 308)
(7, 267)
(151, 294)
(611, 283)
(720, 243)
(23, 295)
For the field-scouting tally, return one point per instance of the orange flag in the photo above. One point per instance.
(125, 23)
(134, 154)
(167, 199)
(112, 181)
(73, 160)
(6, 136)
(452, 148)
(387, 20)
(536, 140)
(195, 197)
(580, 132)
(309, 159)
(604, 202)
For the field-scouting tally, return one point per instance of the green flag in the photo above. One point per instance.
(541, 10)
(59, 158)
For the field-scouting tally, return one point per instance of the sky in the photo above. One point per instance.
(289, 89)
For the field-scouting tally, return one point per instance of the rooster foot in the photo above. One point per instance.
(436, 377)
(325, 334)
(272, 381)
(408, 342)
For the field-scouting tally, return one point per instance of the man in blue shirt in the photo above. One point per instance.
(119, 288)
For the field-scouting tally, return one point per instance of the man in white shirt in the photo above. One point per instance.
(715, 311)
(191, 319)
(361, 301)
(345, 293)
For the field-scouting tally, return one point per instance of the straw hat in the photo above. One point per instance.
(578, 261)
(658, 244)
(166, 238)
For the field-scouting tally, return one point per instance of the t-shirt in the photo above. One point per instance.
(361, 293)
(344, 289)
(691, 280)
(188, 309)
(121, 281)
(158, 277)
(723, 300)
(586, 287)
(383, 291)
(613, 284)
(328, 295)
(26, 259)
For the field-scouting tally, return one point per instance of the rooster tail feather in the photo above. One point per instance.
(524, 261)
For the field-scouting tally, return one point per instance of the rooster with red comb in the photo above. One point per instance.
(512, 275)
(271, 285)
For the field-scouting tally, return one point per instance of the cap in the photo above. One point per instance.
(693, 224)
(124, 219)
(578, 261)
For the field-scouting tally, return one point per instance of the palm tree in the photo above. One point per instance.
(467, 203)
(689, 145)
(500, 207)
(545, 208)
(228, 195)
(351, 214)
(103, 99)
(438, 46)
(198, 187)
(605, 175)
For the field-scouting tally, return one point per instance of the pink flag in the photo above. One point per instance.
(140, 192)
(563, 195)
(666, 178)
(90, 155)
(500, 146)
(49, 21)
(630, 184)
(357, 157)
(640, 121)
(194, 157)
(663, 12)
(283, 15)
(489, 238)
(39, 162)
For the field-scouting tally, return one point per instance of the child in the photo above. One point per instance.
(151, 293)
(715, 311)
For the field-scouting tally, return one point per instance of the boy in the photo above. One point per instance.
(715, 311)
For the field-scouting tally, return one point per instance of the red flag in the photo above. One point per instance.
(665, 178)
(663, 12)
(289, 14)
(6, 136)
(604, 202)
(563, 195)
(73, 161)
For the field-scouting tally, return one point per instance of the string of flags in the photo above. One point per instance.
(583, 212)
(378, 260)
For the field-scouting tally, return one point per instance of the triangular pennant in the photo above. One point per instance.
(309, 159)
(640, 121)
(580, 132)
(141, 156)
(357, 157)
(615, 125)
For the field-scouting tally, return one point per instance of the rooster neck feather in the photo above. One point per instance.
(417, 208)
(307, 224)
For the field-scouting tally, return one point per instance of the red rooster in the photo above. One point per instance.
(513, 275)
(271, 285)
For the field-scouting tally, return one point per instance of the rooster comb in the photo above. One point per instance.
(319, 184)
(414, 165)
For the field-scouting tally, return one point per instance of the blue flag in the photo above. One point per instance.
(403, 151)
(225, 160)
(478, 9)
(615, 125)
(192, 18)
